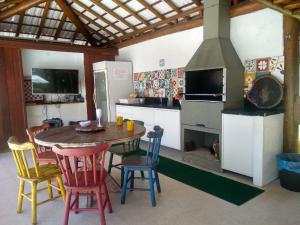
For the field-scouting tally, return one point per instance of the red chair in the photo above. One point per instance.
(89, 179)
(43, 154)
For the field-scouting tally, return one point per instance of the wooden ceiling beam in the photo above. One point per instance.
(278, 8)
(76, 21)
(245, 7)
(281, 1)
(130, 11)
(111, 12)
(151, 9)
(44, 45)
(197, 2)
(99, 17)
(60, 26)
(21, 19)
(43, 19)
(292, 5)
(10, 2)
(22, 6)
(173, 6)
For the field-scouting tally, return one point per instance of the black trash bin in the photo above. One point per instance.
(289, 171)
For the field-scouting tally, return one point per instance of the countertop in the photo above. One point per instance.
(159, 106)
(248, 112)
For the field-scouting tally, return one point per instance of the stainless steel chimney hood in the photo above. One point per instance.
(216, 51)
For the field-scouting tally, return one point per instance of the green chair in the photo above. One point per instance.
(126, 150)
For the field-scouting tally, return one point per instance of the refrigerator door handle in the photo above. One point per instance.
(94, 98)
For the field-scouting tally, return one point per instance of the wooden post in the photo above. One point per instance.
(291, 54)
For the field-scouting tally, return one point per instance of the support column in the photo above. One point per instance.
(291, 87)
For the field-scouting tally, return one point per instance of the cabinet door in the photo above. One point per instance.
(143, 114)
(237, 143)
(169, 120)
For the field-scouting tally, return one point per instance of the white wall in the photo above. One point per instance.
(254, 35)
(55, 60)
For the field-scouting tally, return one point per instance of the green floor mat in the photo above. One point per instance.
(219, 186)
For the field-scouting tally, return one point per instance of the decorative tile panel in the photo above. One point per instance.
(263, 66)
(161, 83)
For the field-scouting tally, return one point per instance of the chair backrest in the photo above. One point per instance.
(92, 158)
(32, 132)
(136, 143)
(154, 145)
(19, 152)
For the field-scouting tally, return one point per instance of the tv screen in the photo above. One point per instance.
(54, 81)
(204, 84)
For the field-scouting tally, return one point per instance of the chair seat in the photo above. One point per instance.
(81, 181)
(45, 172)
(136, 161)
(47, 157)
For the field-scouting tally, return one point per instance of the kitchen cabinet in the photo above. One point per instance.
(168, 119)
(250, 144)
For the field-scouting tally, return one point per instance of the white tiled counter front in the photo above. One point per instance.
(168, 119)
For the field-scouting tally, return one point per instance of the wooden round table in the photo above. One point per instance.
(69, 137)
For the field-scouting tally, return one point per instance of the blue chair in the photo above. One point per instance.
(146, 163)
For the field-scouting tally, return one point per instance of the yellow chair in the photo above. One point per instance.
(34, 175)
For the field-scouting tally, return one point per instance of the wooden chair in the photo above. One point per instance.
(126, 150)
(43, 154)
(87, 180)
(33, 175)
(146, 163)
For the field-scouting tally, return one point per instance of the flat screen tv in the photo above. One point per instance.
(205, 85)
(54, 81)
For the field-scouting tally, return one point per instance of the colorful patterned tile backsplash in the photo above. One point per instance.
(160, 83)
(168, 82)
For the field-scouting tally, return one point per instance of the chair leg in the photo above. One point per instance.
(142, 175)
(100, 208)
(151, 184)
(157, 181)
(50, 192)
(124, 187)
(20, 196)
(33, 202)
(77, 202)
(67, 208)
(122, 175)
(110, 162)
(132, 180)
(61, 187)
(107, 198)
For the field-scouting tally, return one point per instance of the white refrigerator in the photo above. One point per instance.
(112, 80)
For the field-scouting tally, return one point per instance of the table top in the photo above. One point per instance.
(69, 137)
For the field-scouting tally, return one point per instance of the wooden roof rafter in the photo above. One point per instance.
(9, 3)
(287, 7)
(111, 12)
(99, 17)
(130, 11)
(43, 19)
(60, 26)
(20, 23)
(22, 6)
(76, 21)
(106, 23)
